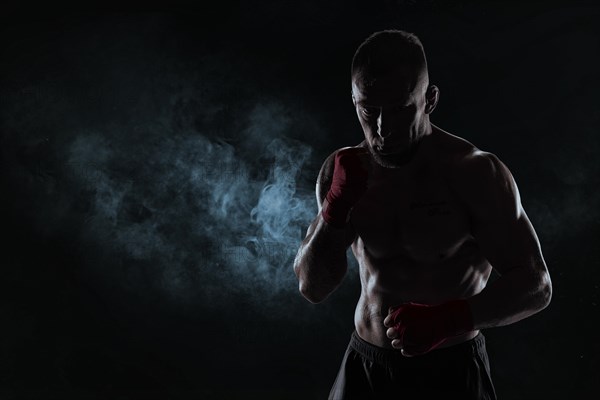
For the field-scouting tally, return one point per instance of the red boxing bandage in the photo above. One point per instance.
(422, 327)
(348, 184)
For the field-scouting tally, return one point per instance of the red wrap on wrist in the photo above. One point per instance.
(422, 328)
(348, 184)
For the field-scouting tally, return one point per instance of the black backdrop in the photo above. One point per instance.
(158, 168)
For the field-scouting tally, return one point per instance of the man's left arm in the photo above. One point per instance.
(507, 240)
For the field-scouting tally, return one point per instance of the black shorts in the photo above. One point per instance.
(460, 372)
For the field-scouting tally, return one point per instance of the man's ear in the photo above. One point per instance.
(353, 99)
(431, 98)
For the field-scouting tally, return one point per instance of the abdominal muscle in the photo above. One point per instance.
(414, 241)
(390, 282)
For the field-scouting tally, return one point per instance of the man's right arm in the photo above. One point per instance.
(321, 263)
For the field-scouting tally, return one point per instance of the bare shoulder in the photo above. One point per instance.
(326, 174)
(477, 169)
(464, 160)
(478, 176)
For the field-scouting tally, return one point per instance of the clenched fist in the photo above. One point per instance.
(348, 185)
(419, 328)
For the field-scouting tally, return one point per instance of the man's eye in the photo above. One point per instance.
(368, 111)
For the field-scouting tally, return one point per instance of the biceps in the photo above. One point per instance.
(508, 243)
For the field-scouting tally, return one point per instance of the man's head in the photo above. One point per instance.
(392, 95)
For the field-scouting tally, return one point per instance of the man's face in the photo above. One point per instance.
(391, 111)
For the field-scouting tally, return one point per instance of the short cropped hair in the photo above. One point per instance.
(386, 50)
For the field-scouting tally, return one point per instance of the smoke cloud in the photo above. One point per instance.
(179, 183)
(200, 217)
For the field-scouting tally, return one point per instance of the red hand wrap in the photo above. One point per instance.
(423, 328)
(348, 184)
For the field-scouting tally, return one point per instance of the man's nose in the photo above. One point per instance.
(384, 127)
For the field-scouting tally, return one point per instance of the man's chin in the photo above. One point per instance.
(394, 160)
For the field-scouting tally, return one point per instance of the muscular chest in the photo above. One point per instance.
(416, 217)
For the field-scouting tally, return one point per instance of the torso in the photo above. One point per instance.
(413, 240)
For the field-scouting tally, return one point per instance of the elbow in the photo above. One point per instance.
(303, 287)
(548, 295)
(310, 295)
(545, 290)
(316, 283)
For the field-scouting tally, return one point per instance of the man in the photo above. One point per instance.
(428, 215)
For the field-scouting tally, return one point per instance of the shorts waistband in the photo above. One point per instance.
(383, 355)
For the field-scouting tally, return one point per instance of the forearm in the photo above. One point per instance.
(514, 296)
(321, 263)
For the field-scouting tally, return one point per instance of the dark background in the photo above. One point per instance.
(158, 168)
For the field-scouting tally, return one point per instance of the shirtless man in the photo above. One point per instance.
(428, 215)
